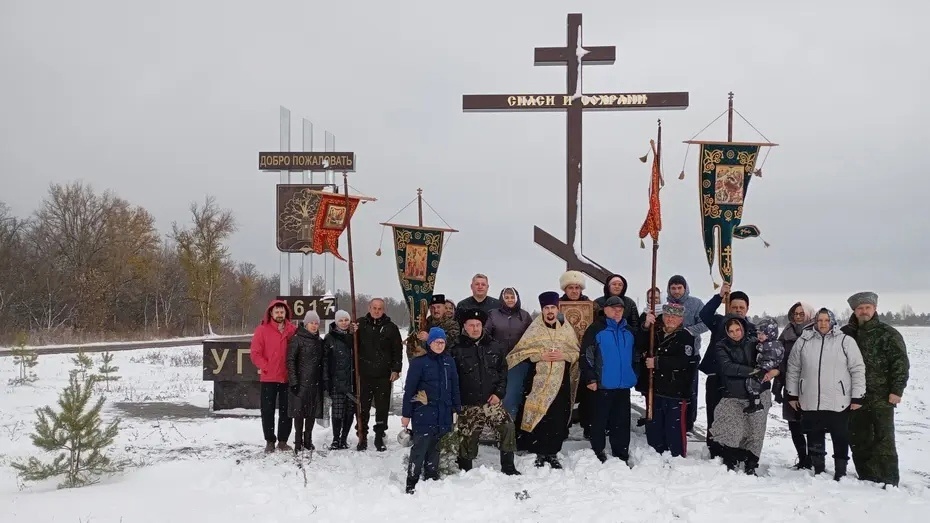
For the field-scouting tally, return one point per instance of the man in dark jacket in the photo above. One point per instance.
(713, 388)
(607, 371)
(482, 368)
(673, 365)
(479, 299)
(887, 370)
(380, 352)
(616, 286)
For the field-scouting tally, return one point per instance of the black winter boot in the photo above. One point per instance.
(755, 405)
(507, 465)
(554, 462)
(751, 464)
(804, 463)
(464, 464)
(344, 437)
(362, 442)
(379, 438)
(411, 484)
(337, 431)
(818, 456)
(840, 465)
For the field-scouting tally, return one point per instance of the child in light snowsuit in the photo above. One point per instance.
(771, 354)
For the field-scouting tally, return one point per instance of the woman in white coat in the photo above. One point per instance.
(826, 379)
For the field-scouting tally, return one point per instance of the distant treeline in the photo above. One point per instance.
(90, 266)
(904, 318)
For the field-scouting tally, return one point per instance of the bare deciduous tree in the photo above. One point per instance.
(202, 252)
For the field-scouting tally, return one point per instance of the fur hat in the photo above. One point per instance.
(549, 298)
(474, 314)
(862, 298)
(571, 278)
(438, 299)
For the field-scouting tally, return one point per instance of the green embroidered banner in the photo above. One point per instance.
(726, 169)
(417, 251)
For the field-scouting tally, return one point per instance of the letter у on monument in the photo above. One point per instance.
(574, 102)
(314, 162)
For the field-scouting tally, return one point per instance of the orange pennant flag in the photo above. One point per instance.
(653, 223)
(331, 219)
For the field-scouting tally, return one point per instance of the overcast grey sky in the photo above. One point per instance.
(165, 102)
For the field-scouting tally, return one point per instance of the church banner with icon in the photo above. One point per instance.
(331, 220)
(726, 169)
(310, 220)
(417, 252)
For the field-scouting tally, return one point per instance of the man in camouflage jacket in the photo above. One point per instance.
(416, 346)
(871, 428)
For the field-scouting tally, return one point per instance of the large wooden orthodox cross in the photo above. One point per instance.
(574, 103)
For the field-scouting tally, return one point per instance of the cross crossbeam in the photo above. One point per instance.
(574, 102)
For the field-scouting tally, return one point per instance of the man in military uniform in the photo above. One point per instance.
(481, 362)
(871, 428)
(437, 318)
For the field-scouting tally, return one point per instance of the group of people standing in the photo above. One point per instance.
(486, 362)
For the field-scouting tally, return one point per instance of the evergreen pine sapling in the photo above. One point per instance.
(84, 364)
(77, 433)
(107, 371)
(24, 359)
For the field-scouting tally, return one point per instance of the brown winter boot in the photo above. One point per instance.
(362, 442)
(269, 447)
(282, 445)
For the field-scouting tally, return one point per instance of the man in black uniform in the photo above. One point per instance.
(482, 369)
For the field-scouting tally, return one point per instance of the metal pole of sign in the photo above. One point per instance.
(306, 261)
(284, 283)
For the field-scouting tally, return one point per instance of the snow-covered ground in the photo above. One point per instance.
(200, 468)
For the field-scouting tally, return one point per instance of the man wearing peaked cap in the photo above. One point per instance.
(871, 428)
(437, 318)
(482, 368)
(475, 314)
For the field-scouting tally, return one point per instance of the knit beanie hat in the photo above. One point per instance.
(340, 314)
(435, 334)
(312, 317)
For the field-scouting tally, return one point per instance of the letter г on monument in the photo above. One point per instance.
(574, 102)
(228, 365)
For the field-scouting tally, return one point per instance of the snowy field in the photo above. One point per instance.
(193, 466)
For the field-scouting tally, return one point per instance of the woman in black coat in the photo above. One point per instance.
(305, 377)
(339, 377)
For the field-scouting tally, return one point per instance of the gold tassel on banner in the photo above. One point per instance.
(641, 244)
(681, 175)
(758, 172)
(378, 252)
(644, 157)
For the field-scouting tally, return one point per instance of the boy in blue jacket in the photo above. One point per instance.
(431, 395)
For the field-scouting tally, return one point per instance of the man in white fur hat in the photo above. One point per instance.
(572, 284)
